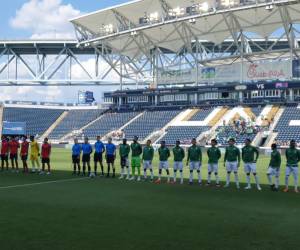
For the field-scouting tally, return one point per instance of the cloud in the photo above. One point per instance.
(45, 19)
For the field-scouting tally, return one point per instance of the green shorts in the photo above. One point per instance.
(136, 162)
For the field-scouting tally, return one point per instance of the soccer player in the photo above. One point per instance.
(292, 159)
(136, 151)
(110, 157)
(99, 150)
(250, 156)
(274, 168)
(124, 150)
(13, 153)
(179, 154)
(87, 150)
(34, 154)
(232, 159)
(4, 152)
(194, 160)
(24, 154)
(148, 154)
(164, 154)
(214, 155)
(76, 152)
(46, 152)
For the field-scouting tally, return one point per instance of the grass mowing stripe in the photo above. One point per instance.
(42, 183)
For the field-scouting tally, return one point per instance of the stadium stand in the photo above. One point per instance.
(37, 120)
(75, 120)
(286, 132)
(149, 122)
(108, 123)
(201, 114)
(224, 133)
(183, 133)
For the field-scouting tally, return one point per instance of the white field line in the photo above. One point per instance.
(42, 183)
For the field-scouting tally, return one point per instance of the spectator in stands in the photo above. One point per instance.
(46, 152)
(110, 157)
(34, 154)
(87, 150)
(4, 152)
(13, 153)
(76, 152)
(124, 150)
(24, 153)
(99, 150)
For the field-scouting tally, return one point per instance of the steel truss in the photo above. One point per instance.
(151, 57)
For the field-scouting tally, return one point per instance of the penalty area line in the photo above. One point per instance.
(43, 183)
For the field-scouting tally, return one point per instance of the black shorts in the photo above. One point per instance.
(24, 157)
(124, 161)
(75, 159)
(110, 159)
(45, 160)
(86, 158)
(97, 157)
(4, 157)
(13, 156)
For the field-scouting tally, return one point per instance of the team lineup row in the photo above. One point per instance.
(144, 156)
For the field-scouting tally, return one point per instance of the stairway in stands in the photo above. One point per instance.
(54, 125)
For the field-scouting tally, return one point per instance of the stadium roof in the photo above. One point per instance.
(122, 27)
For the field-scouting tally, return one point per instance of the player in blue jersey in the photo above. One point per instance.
(99, 150)
(76, 152)
(110, 157)
(86, 156)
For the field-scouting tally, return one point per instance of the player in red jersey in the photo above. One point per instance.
(13, 153)
(4, 152)
(24, 153)
(46, 152)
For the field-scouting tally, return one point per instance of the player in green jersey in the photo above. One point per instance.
(232, 160)
(136, 151)
(274, 168)
(194, 159)
(179, 154)
(292, 159)
(214, 155)
(124, 150)
(148, 154)
(250, 156)
(164, 154)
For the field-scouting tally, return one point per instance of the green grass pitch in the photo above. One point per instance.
(102, 213)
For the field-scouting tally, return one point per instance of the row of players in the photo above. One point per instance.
(10, 150)
(232, 159)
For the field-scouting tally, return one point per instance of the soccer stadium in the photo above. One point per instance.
(177, 126)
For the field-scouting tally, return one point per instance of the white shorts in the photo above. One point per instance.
(273, 171)
(213, 167)
(178, 165)
(291, 170)
(195, 165)
(147, 165)
(250, 167)
(163, 165)
(231, 166)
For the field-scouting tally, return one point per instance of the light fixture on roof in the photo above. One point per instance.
(107, 28)
(204, 7)
(176, 12)
(153, 17)
(133, 33)
(269, 7)
(192, 20)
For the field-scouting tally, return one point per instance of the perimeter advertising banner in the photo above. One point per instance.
(246, 72)
(14, 128)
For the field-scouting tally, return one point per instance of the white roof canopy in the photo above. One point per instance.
(215, 24)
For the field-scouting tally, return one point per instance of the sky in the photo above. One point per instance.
(45, 19)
